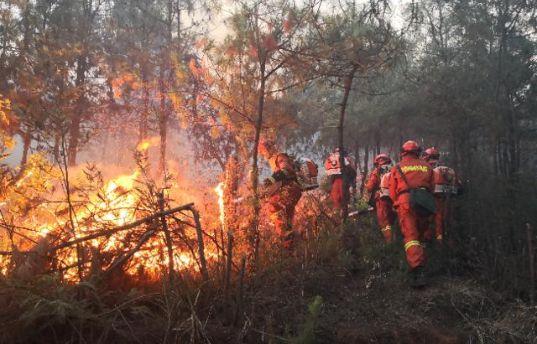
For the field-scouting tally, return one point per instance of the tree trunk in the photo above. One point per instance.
(76, 118)
(367, 155)
(166, 86)
(377, 140)
(163, 123)
(347, 84)
(56, 149)
(512, 142)
(255, 172)
(357, 156)
(144, 116)
(365, 167)
(201, 247)
(74, 137)
(231, 186)
(26, 142)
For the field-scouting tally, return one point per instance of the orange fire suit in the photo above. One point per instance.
(383, 204)
(446, 185)
(338, 194)
(282, 203)
(418, 174)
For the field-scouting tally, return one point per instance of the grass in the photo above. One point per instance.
(342, 286)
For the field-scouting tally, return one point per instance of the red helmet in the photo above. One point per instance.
(410, 147)
(382, 159)
(431, 154)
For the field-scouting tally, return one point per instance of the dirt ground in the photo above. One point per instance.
(366, 298)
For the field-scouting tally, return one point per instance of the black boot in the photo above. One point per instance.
(417, 277)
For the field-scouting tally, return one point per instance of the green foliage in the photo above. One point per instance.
(361, 204)
(466, 85)
(307, 333)
(48, 309)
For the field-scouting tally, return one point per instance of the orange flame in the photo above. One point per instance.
(26, 176)
(219, 189)
(144, 145)
(117, 203)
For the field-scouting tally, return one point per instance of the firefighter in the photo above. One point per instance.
(378, 186)
(446, 185)
(283, 200)
(283, 192)
(411, 180)
(338, 177)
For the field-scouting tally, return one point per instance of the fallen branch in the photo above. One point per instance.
(124, 227)
(123, 258)
(113, 230)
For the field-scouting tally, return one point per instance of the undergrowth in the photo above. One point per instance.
(343, 286)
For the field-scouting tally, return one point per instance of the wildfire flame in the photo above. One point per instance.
(219, 189)
(45, 220)
(118, 195)
(23, 179)
(144, 145)
(118, 202)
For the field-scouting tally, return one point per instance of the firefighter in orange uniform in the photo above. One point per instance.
(283, 191)
(378, 186)
(338, 193)
(411, 174)
(446, 186)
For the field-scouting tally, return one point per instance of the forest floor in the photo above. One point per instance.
(362, 295)
(337, 288)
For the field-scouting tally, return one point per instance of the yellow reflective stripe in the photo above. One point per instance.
(414, 168)
(439, 237)
(387, 228)
(412, 243)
